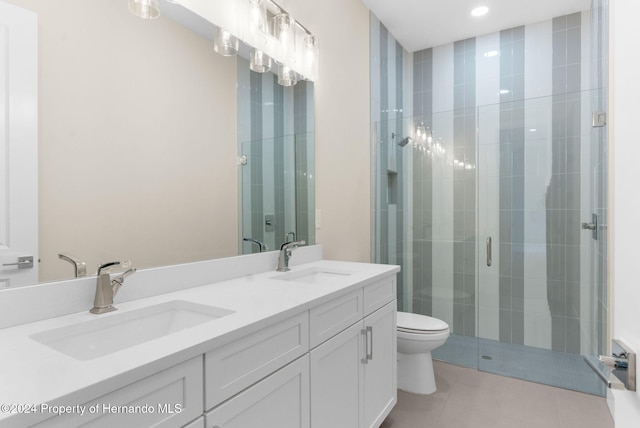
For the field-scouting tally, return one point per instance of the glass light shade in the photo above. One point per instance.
(146, 9)
(283, 30)
(259, 61)
(310, 55)
(281, 24)
(225, 43)
(286, 75)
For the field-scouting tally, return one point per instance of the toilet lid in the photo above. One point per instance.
(419, 323)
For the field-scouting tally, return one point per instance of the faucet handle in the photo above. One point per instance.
(119, 280)
(292, 244)
(124, 264)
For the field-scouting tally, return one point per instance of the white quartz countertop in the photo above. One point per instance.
(32, 373)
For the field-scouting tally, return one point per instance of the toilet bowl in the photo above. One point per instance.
(418, 335)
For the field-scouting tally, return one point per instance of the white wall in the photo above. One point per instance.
(625, 150)
(342, 131)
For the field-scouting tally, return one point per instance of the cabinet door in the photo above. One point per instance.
(336, 380)
(281, 400)
(170, 398)
(380, 370)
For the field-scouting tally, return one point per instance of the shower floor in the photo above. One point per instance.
(568, 371)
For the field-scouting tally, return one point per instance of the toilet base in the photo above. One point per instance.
(415, 373)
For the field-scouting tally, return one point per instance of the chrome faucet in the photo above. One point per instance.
(107, 288)
(285, 253)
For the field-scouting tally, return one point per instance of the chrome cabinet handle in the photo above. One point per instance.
(24, 262)
(368, 344)
(489, 260)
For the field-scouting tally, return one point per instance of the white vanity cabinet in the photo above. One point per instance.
(354, 373)
(328, 364)
(170, 398)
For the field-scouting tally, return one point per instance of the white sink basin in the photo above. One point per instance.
(314, 275)
(103, 336)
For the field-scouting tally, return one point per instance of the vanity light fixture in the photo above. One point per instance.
(145, 9)
(264, 26)
(225, 43)
(480, 11)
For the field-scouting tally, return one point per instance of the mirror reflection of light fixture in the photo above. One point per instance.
(424, 135)
(146, 9)
(259, 61)
(225, 43)
(286, 75)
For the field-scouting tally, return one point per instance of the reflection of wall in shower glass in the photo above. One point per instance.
(275, 131)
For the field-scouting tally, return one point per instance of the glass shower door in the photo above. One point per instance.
(538, 280)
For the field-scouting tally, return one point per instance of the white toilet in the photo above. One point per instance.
(418, 335)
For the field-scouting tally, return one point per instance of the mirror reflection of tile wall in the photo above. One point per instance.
(275, 131)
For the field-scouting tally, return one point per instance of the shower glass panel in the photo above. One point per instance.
(278, 191)
(517, 179)
(540, 301)
(425, 220)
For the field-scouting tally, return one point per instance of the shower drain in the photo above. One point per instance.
(487, 357)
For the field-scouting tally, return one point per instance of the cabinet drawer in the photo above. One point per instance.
(170, 398)
(237, 365)
(332, 317)
(281, 400)
(379, 293)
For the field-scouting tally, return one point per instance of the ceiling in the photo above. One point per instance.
(421, 24)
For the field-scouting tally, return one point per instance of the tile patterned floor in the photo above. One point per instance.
(467, 398)
(539, 365)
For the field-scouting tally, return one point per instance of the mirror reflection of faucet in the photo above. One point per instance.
(262, 246)
(79, 266)
(107, 288)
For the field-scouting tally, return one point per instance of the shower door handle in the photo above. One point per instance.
(489, 260)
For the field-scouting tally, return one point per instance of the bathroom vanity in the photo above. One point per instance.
(313, 347)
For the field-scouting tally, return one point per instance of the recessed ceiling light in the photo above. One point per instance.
(491, 54)
(504, 91)
(480, 11)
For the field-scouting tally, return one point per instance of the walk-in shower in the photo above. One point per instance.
(486, 216)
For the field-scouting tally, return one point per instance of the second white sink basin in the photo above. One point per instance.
(103, 336)
(314, 275)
